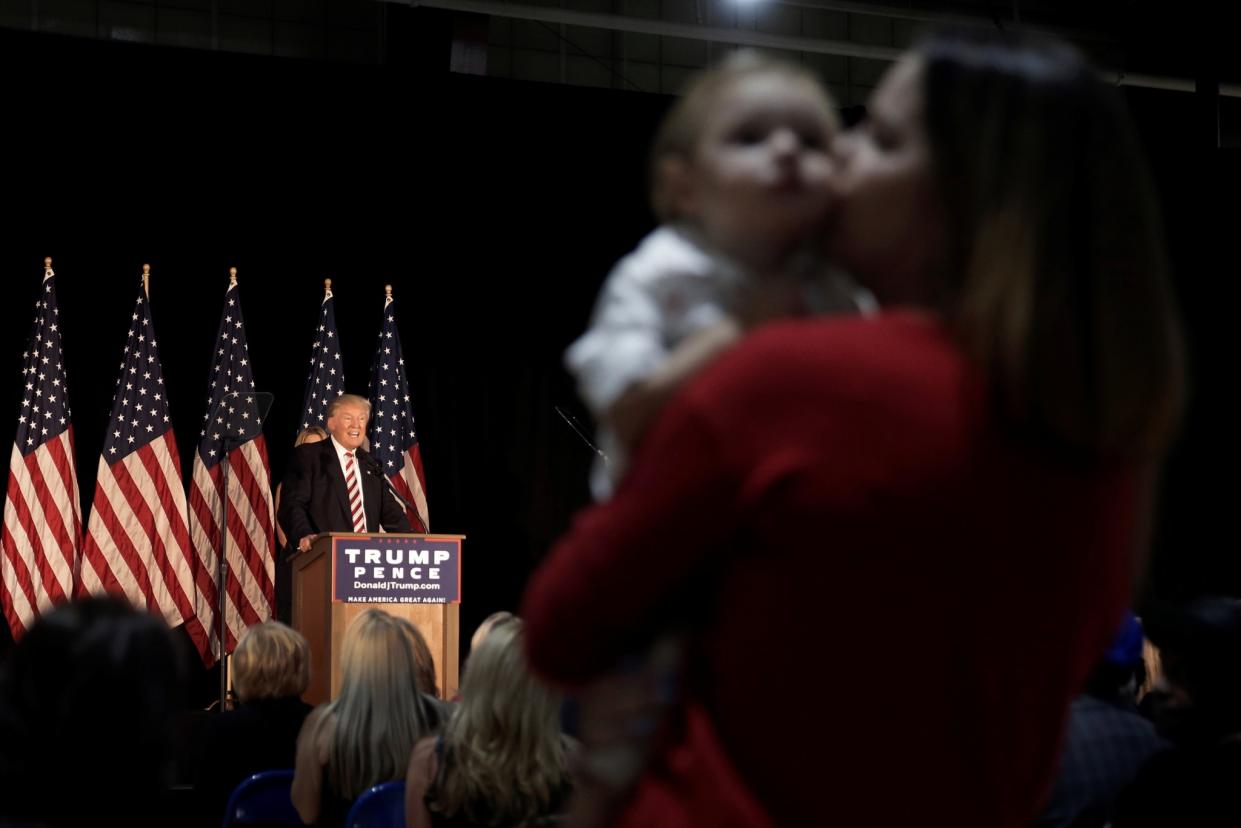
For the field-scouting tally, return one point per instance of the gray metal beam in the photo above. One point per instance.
(749, 37)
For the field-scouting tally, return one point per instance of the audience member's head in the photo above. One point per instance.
(379, 712)
(1199, 698)
(87, 700)
(486, 626)
(427, 682)
(508, 761)
(1121, 671)
(272, 661)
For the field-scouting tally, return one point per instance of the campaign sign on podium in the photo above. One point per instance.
(398, 569)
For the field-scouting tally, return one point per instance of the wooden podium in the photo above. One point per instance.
(323, 620)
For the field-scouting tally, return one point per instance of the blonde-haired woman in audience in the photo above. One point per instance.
(271, 670)
(502, 760)
(365, 735)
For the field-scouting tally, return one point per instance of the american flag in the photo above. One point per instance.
(394, 442)
(326, 381)
(232, 411)
(42, 534)
(137, 537)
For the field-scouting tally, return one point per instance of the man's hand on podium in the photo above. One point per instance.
(304, 543)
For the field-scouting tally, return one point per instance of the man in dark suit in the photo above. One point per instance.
(334, 486)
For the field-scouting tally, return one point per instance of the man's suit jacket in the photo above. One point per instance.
(314, 498)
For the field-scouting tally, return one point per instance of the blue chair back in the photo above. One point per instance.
(380, 806)
(263, 799)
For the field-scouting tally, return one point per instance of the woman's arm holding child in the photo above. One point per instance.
(640, 403)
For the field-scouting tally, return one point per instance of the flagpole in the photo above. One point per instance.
(222, 567)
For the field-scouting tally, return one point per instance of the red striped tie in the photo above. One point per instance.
(355, 494)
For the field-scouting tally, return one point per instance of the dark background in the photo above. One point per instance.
(494, 208)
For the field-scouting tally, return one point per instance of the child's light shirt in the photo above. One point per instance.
(667, 289)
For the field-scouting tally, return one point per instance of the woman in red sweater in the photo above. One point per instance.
(898, 544)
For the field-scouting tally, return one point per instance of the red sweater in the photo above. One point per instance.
(894, 601)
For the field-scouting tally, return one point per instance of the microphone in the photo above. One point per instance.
(372, 467)
(572, 422)
(368, 459)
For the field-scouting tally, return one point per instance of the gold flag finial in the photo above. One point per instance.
(388, 291)
(327, 286)
(232, 275)
(47, 262)
(146, 279)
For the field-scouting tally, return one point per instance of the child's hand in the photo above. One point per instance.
(711, 342)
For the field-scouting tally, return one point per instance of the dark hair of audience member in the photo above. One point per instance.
(424, 663)
(1056, 274)
(87, 699)
(1202, 661)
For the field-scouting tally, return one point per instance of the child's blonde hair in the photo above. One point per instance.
(681, 129)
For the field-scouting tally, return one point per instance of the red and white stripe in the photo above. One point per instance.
(42, 534)
(354, 492)
(411, 483)
(138, 540)
(251, 591)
